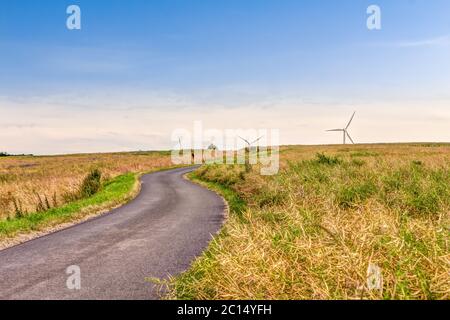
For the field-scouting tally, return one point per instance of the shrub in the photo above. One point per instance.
(91, 184)
(328, 160)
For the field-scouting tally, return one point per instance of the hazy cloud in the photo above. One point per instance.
(52, 127)
(430, 42)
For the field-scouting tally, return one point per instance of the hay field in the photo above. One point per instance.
(27, 181)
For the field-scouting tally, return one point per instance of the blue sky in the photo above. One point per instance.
(139, 69)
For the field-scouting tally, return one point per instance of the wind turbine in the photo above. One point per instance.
(249, 144)
(180, 144)
(345, 130)
(247, 152)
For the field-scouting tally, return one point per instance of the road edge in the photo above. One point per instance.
(173, 284)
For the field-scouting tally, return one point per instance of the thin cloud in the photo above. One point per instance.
(431, 42)
(439, 41)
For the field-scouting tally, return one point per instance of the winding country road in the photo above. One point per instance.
(157, 234)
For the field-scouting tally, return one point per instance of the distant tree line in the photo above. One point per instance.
(6, 154)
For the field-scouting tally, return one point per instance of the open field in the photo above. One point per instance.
(309, 232)
(30, 184)
(313, 230)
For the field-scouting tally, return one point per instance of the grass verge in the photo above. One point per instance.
(235, 204)
(114, 193)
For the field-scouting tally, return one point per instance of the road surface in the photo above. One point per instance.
(157, 234)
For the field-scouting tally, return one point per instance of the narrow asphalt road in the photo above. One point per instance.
(157, 234)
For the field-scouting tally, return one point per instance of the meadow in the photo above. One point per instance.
(32, 184)
(319, 228)
(315, 230)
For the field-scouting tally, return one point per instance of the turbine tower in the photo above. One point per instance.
(247, 152)
(344, 131)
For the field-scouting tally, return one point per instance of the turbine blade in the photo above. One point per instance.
(350, 122)
(246, 141)
(349, 137)
(335, 130)
(257, 139)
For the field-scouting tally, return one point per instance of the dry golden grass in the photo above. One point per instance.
(24, 179)
(312, 231)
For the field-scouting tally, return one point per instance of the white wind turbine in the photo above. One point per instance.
(249, 144)
(247, 151)
(345, 130)
(179, 143)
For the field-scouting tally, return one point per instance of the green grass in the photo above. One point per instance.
(113, 192)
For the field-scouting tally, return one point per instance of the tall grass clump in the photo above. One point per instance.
(328, 160)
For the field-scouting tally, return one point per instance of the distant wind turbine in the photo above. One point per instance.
(247, 151)
(249, 144)
(345, 130)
